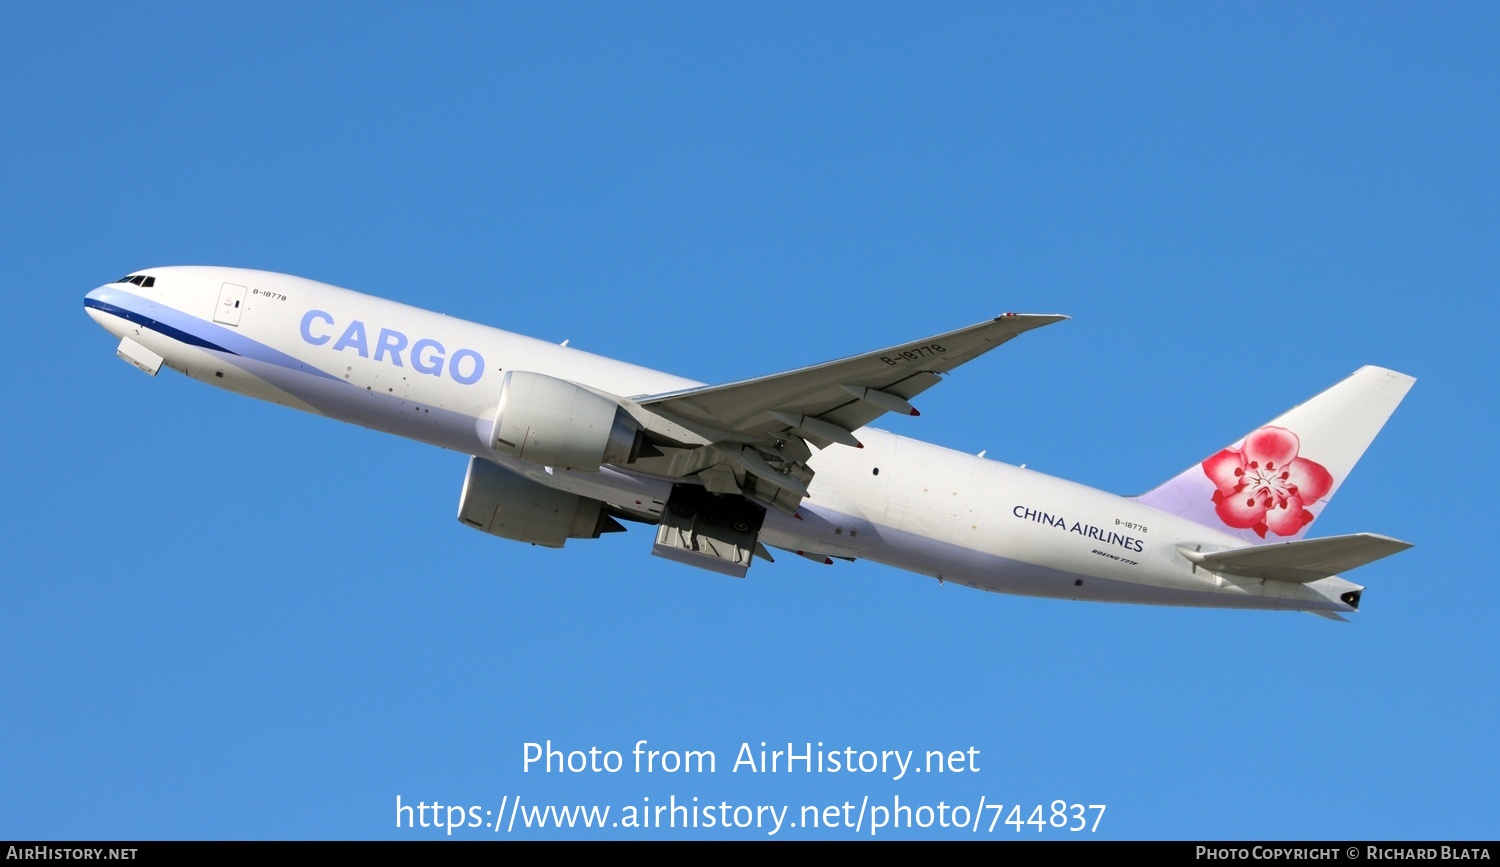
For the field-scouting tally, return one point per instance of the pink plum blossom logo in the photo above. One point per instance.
(1263, 485)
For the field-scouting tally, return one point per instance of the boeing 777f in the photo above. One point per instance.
(565, 445)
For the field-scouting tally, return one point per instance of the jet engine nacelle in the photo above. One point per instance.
(558, 423)
(510, 506)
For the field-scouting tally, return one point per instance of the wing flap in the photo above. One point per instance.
(855, 414)
(1302, 561)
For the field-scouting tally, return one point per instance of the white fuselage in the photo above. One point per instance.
(897, 501)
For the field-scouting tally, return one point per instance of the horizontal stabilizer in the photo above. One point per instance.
(1302, 561)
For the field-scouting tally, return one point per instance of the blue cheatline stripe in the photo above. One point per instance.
(189, 329)
(154, 325)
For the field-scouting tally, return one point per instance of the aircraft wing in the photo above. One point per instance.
(761, 425)
(828, 391)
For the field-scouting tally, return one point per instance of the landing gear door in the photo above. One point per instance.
(712, 532)
(231, 304)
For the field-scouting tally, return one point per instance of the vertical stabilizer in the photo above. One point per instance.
(1274, 482)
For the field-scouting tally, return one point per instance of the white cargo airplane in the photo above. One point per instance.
(562, 443)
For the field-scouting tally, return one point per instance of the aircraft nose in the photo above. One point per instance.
(98, 309)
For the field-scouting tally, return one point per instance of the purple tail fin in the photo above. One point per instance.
(1274, 482)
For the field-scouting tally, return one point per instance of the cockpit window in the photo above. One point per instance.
(140, 280)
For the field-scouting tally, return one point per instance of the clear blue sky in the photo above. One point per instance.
(221, 618)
